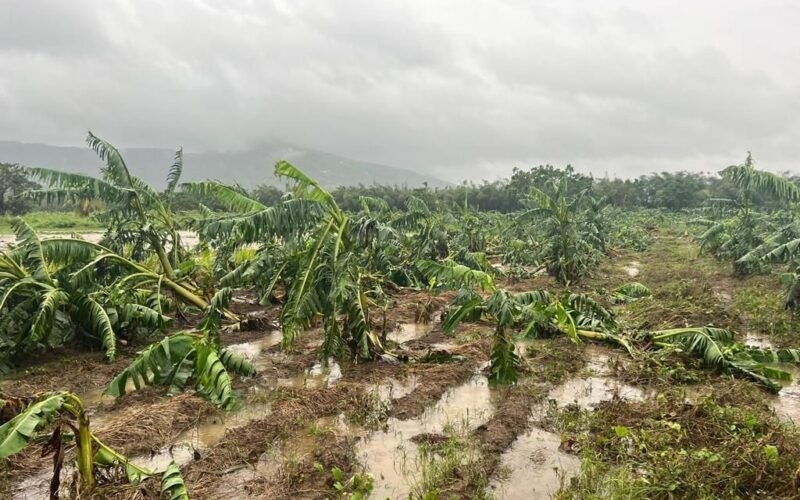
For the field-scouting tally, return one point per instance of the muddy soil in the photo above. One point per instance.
(300, 419)
(188, 238)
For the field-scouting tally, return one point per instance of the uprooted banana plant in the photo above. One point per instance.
(189, 358)
(718, 349)
(539, 313)
(533, 314)
(23, 421)
(51, 292)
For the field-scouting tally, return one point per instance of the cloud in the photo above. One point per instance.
(462, 90)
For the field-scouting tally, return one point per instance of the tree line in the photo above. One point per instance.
(666, 190)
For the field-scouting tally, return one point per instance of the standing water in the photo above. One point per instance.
(390, 455)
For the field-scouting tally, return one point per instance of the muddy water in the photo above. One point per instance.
(406, 332)
(188, 238)
(254, 351)
(787, 402)
(633, 269)
(590, 391)
(533, 467)
(300, 446)
(390, 455)
(598, 386)
(754, 340)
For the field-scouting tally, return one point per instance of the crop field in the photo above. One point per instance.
(570, 349)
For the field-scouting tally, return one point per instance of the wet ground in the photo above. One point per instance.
(188, 238)
(285, 426)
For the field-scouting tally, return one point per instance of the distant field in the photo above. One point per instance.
(52, 221)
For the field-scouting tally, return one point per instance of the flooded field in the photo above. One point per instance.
(429, 420)
(189, 239)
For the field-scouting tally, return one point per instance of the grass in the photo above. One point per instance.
(728, 444)
(455, 454)
(52, 221)
(690, 289)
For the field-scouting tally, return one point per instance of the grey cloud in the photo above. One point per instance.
(463, 90)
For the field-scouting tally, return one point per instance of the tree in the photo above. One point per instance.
(267, 195)
(13, 181)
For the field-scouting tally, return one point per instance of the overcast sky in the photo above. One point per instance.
(459, 89)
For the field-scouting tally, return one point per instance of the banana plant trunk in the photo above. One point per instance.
(85, 454)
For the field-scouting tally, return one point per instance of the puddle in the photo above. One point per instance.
(444, 346)
(181, 453)
(753, 340)
(633, 269)
(301, 446)
(256, 404)
(189, 239)
(589, 392)
(533, 467)
(409, 331)
(389, 455)
(254, 350)
(395, 389)
(37, 486)
(787, 402)
(315, 377)
(211, 431)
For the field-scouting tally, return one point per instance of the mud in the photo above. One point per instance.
(433, 382)
(633, 269)
(244, 445)
(533, 468)
(390, 454)
(78, 372)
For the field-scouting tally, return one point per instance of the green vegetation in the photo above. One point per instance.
(724, 445)
(519, 283)
(55, 222)
(65, 414)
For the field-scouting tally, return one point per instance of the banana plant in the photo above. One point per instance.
(533, 313)
(323, 267)
(778, 250)
(136, 211)
(24, 420)
(50, 294)
(629, 292)
(189, 358)
(538, 313)
(717, 348)
(573, 236)
(739, 233)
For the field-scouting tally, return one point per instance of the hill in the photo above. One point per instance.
(249, 168)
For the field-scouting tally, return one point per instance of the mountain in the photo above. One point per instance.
(249, 168)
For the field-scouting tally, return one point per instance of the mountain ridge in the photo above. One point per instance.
(248, 167)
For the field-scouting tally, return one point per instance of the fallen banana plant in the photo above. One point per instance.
(188, 358)
(23, 420)
(717, 348)
(49, 294)
(630, 292)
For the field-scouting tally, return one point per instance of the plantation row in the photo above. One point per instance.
(334, 273)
